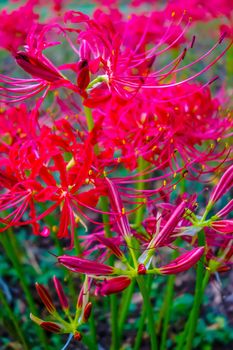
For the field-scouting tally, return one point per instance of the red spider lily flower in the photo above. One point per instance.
(61, 295)
(113, 285)
(224, 185)
(46, 298)
(85, 266)
(13, 27)
(118, 60)
(35, 164)
(223, 226)
(183, 262)
(163, 127)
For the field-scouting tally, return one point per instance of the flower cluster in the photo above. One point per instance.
(70, 326)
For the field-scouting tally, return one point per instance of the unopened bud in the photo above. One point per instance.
(87, 312)
(77, 336)
(141, 269)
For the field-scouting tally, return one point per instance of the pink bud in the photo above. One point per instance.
(225, 210)
(85, 266)
(170, 224)
(223, 226)
(37, 68)
(183, 262)
(225, 183)
(141, 269)
(113, 285)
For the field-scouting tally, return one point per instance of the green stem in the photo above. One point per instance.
(138, 340)
(167, 304)
(197, 297)
(149, 310)
(167, 311)
(113, 297)
(89, 118)
(229, 66)
(201, 283)
(10, 246)
(93, 332)
(14, 321)
(125, 304)
(140, 186)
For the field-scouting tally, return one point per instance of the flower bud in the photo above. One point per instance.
(223, 226)
(170, 224)
(225, 210)
(183, 262)
(87, 312)
(77, 336)
(113, 285)
(225, 183)
(52, 327)
(141, 269)
(37, 68)
(60, 292)
(85, 266)
(45, 297)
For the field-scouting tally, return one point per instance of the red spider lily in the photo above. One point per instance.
(183, 262)
(110, 57)
(35, 164)
(163, 131)
(117, 59)
(13, 27)
(112, 285)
